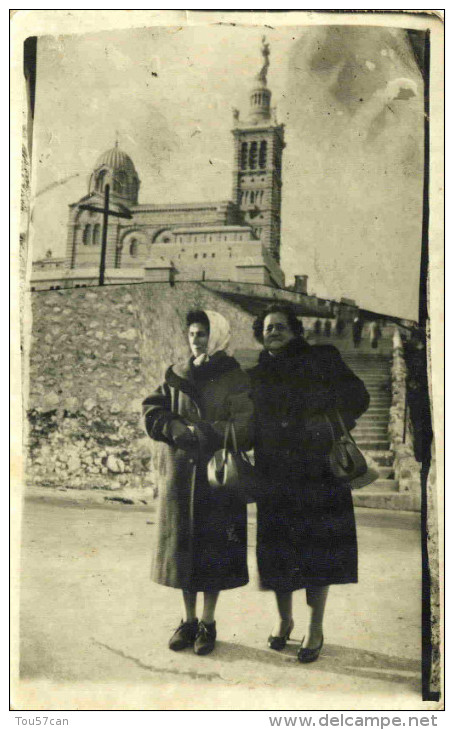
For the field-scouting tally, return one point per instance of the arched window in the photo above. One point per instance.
(86, 236)
(253, 155)
(262, 155)
(244, 155)
(96, 234)
(119, 183)
(134, 248)
(252, 197)
(101, 180)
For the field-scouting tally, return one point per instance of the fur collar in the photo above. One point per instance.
(185, 377)
(295, 348)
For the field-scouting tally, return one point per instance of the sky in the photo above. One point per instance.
(351, 100)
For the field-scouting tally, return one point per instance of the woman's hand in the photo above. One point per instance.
(182, 436)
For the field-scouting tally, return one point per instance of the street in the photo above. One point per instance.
(94, 629)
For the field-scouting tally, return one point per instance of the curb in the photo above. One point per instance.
(142, 499)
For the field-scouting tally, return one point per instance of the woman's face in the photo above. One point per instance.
(276, 332)
(198, 339)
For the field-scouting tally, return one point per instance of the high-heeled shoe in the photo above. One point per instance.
(278, 642)
(305, 655)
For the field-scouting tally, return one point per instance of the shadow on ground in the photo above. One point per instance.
(334, 659)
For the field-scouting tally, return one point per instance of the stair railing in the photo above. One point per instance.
(406, 468)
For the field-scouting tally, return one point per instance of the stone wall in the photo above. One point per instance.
(95, 355)
(85, 390)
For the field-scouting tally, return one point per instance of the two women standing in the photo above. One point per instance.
(306, 534)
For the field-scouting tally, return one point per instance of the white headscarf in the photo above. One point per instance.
(219, 338)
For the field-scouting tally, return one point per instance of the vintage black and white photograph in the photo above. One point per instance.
(230, 489)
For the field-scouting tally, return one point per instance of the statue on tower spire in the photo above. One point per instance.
(262, 74)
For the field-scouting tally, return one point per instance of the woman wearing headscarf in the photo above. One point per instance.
(306, 536)
(201, 538)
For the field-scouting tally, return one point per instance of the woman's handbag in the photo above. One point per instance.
(346, 462)
(231, 470)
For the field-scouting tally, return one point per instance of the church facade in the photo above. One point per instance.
(235, 240)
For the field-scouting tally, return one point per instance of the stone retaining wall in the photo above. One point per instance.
(95, 355)
(86, 387)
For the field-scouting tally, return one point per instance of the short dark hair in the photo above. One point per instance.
(293, 322)
(198, 316)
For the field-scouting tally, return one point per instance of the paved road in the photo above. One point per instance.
(90, 614)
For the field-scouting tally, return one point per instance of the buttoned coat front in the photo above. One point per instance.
(200, 538)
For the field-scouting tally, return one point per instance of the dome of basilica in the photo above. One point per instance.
(116, 168)
(117, 160)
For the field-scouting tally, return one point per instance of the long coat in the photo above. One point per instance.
(306, 532)
(201, 538)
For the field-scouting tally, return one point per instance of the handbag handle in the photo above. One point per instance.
(344, 429)
(230, 431)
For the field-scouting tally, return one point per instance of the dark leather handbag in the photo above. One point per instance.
(231, 470)
(346, 462)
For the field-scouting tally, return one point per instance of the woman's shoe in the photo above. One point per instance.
(278, 642)
(205, 639)
(305, 655)
(184, 636)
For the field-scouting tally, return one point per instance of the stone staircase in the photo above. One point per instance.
(371, 432)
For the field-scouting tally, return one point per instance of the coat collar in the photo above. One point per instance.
(296, 348)
(186, 378)
(179, 376)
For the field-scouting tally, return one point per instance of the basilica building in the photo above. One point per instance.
(234, 240)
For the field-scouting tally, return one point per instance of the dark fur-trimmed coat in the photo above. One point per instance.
(306, 532)
(201, 539)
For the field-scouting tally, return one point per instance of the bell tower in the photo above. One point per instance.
(257, 173)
